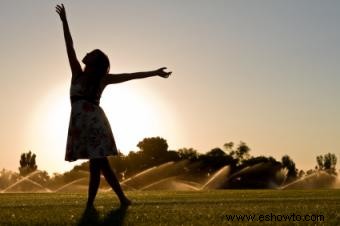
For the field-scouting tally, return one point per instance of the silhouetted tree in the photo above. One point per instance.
(242, 151)
(216, 152)
(215, 159)
(327, 162)
(187, 153)
(228, 146)
(259, 159)
(171, 156)
(330, 161)
(153, 146)
(136, 161)
(240, 154)
(319, 161)
(289, 164)
(27, 163)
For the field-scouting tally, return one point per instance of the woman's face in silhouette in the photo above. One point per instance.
(97, 62)
(90, 58)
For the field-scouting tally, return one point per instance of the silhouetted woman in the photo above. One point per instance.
(89, 135)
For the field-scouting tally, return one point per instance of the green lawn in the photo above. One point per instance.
(171, 208)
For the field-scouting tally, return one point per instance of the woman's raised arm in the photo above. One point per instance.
(74, 63)
(118, 78)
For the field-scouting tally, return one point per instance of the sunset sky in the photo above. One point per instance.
(259, 71)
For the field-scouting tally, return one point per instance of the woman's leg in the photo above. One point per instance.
(113, 182)
(94, 180)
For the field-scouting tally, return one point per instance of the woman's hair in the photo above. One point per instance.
(101, 62)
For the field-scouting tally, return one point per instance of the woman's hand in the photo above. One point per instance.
(160, 72)
(60, 9)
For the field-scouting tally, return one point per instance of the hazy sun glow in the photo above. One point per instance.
(133, 115)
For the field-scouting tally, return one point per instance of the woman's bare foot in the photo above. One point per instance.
(125, 202)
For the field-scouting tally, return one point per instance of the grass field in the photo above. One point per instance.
(172, 208)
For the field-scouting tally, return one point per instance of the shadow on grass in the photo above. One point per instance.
(115, 217)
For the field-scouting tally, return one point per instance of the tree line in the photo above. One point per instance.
(246, 171)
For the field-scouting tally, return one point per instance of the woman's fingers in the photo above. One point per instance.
(163, 73)
(60, 9)
(60, 6)
(166, 74)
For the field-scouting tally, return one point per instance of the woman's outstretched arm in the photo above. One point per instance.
(75, 66)
(118, 78)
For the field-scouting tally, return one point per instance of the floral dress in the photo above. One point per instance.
(89, 133)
